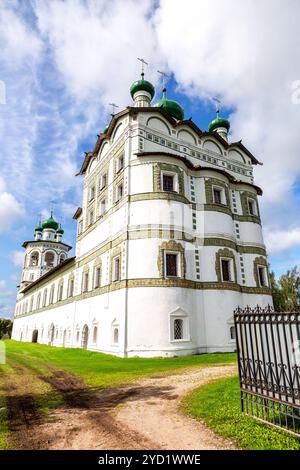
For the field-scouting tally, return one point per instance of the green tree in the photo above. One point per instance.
(290, 286)
(5, 327)
(286, 291)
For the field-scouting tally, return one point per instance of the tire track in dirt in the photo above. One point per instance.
(145, 415)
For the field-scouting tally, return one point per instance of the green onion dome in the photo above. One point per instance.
(50, 223)
(218, 122)
(39, 228)
(60, 231)
(170, 106)
(105, 129)
(142, 85)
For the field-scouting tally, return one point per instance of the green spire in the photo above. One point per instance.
(50, 223)
(60, 231)
(218, 122)
(142, 85)
(170, 106)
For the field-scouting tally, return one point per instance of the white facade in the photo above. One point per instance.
(158, 269)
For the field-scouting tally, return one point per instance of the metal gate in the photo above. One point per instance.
(268, 347)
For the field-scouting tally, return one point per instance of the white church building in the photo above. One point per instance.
(169, 241)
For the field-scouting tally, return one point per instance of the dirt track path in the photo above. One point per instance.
(144, 415)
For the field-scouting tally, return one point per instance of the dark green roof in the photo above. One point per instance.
(142, 85)
(218, 122)
(105, 129)
(39, 228)
(60, 231)
(50, 223)
(170, 106)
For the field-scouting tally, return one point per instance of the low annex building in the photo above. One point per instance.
(169, 241)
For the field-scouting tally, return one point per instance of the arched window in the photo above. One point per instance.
(62, 257)
(95, 334)
(49, 259)
(60, 290)
(44, 298)
(38, 301)
(34, 259)
(178, 328)
(116, 335)
(51, 297)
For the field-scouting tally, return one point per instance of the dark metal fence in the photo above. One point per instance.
(268, 346)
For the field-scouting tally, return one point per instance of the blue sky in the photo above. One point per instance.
(64, 61)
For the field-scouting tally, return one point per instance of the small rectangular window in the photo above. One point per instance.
(262, 276)
(103, 182)
(119, 192)
(178, 328)
(92, 193)
(103, 206)
(225, 266)
(168, 182)
(251, 207)
(171, 265)
(85, 282)
(116, 269)
(91, 217)
(97, 277)
(71, 287)
(232, 333)
(80, 227)
(120, 163)
(217, 196)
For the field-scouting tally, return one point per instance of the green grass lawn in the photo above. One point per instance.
(102, 370)
(218, 404)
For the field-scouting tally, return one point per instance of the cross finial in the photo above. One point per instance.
(143, 63)
(52, 207)
(164, 76)
(217, 104)
(113, 108)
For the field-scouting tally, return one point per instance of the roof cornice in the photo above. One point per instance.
(174, 123)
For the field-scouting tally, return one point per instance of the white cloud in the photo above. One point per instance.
(280, 240)
(18, 258)
(10, 208)
(245, 52)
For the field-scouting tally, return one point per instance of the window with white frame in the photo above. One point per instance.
(120, 163)
(252, 208)
(80, 227)
(71, 287)
(169, 182)
(119, 192)
(262, 276)
(103, 181)
(116, 269)
(97, 277)
(226, 269)
(219, 195)
(92, 193)
(85, 282)
(31, 277)
(44, 298)
(95, 334)
(51, 297)
(179, 326)
(102, 207)
(90, 217)
(60, 291)
(172, 268)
